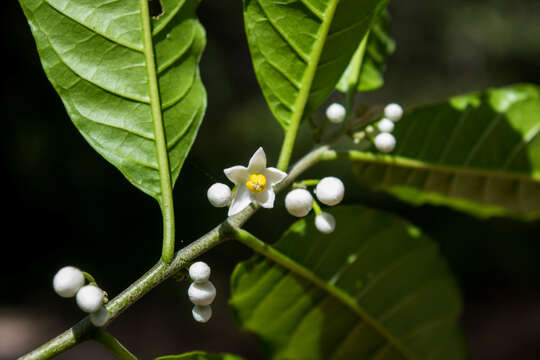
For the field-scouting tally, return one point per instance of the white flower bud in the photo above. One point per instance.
(219, 195)
(202, 313)
(299, 202)
(325, 223)
(90, 298)
(330, 191)
(385, 142)
(386, 125)
(202, 293)
(100, 317)
(336, 113)
(67, 281)
(393, 112)
(199, 272)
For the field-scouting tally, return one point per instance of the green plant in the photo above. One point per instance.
(377, 286)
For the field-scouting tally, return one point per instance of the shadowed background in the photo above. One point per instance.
(64, 205)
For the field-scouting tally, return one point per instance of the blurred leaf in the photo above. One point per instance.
(479, 153)
(301, 48)
(93, 54)
(374, 289)
(199, 355)
(365, 71)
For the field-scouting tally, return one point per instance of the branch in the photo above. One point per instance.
(84, 329)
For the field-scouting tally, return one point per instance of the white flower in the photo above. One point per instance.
(386, 125)
(201, 313)
(219, 195)
(202, 293)
(90, 298)
(336, 113)
(299, 202)
(67, 281)
(199, 272)
(330, 191)
(393, 112)
(385, 142)
(254, 183)
(325, 223)
(100, 317)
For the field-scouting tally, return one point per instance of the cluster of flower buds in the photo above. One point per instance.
(69, 282)
(329, 191)
(201, 292)
(384, 141)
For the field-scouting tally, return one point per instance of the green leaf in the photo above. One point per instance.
(479, 153)
(301, 48)
(366, 69)
(141, 113)
(374, 289)
(199, 355)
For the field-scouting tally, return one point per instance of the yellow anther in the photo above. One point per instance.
(256, 183)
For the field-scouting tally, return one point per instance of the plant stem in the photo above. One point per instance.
(166, 197)
(113, 345)
(162, 270)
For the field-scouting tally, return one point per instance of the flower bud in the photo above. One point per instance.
(299, 202)
(202, 313)
(67, 281)
(385, 142)
(325, 223)
(202, 293)
(393, 112)
(100, 317)
(386, 125)
(336, 113)
(219, 195)
(199, 272)
(90, 298)
(330, 191)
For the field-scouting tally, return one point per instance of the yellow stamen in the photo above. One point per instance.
(256, 183)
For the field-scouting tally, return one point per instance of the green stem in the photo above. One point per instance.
(166, 197)
(162, 271)
(316, 208)
(113, 345)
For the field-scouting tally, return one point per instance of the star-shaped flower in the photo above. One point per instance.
(254, 183)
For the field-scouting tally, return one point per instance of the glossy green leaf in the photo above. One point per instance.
(374, 289)
(301, 48)
(366, 69)
(93, 52)
(199, 355)
(479, 153)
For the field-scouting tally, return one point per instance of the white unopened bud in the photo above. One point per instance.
(90, 298)
(325, 223)
(385, 142)
(386, 125)
(67, 281)
(219, 195)
(202, 313)
(336, 113)
(330, 191)
(100, 317)
(202, 293)
(393, 112)
(299, 202)
(199, 271)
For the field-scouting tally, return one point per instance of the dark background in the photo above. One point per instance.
(63, 204)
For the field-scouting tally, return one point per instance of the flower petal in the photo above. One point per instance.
(237, 174)
(240, 201)
(257, 163)
(266, 198)
(274, 176)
